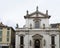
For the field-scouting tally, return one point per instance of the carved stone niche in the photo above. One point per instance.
(37, 36)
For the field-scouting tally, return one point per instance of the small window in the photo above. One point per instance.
(0, 33)
(37, 24)
(0, 36)
(8, 39)
(7, 35)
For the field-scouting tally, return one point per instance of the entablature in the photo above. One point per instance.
(38, 30)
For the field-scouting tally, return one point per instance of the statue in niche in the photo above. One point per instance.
(43, 26)
(30, 26)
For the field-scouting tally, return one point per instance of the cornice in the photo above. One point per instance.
(38, 30)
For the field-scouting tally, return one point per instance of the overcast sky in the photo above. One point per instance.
(13, 11)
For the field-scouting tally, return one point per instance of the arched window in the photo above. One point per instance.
(37, 24)
(53, 41)
(21, 42)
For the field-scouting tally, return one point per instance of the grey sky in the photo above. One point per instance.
(13, 11)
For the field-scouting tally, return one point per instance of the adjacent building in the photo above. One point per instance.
(37, 33)
(7, 36)
(55, 25)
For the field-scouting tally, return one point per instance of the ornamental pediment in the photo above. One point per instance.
(37, 14)
(37, 36)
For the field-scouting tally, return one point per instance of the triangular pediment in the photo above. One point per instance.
(37, 36)
(37, 14)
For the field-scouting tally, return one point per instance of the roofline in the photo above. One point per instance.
(37, 12)
(36, 17)
(8, 27)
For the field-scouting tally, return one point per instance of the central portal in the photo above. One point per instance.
(37, 43)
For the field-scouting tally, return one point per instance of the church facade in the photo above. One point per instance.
(37, 33)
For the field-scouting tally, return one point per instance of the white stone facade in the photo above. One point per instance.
(34, 35)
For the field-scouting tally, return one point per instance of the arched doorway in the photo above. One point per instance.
(37, 43)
